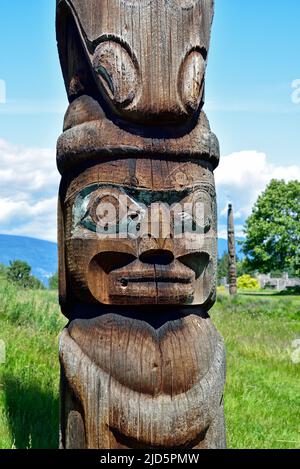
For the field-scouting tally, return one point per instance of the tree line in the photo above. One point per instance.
(272, 234)
(19, 273)
(272, 240)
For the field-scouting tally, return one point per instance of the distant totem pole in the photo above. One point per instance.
(231, 253)
(142, 365)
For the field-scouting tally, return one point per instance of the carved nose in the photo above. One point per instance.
(157, 256)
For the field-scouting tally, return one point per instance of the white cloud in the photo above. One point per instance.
(28, 191)
(29, 187)
(240, 179)
(222, 231)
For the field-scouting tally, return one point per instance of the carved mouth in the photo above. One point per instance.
(121, 279)
(158, 279)
(154, 284)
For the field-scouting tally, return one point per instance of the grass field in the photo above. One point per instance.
(262, 397)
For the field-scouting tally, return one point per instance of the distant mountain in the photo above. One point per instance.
(42, 255)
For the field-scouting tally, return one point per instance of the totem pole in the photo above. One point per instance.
(142, 365)
(231, 252)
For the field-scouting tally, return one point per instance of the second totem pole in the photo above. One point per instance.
(231, 252)
(142, 365)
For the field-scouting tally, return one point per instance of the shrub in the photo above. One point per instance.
(19, 273)
(246, 282)
(291, 291)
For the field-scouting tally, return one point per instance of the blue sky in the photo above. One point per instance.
(254, 59)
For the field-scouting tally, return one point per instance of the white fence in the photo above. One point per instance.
(278, 284)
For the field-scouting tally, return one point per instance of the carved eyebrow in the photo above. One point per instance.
(85, 191)
(148, 196)
(136, 192)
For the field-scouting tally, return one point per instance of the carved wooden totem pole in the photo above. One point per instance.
(231, 252)
(142, 365)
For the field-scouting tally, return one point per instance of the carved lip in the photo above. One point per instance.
(176, 272)
(152, 292)
(157, 283)
(158, 279)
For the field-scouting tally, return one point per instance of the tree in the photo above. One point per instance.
(223, 263)
(273, 230)
(19, 273)
(53, 281)
(243, 268)
(223, 266)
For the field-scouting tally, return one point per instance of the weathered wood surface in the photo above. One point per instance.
(97, 261)
(232, 253)
(142, 365)
(147, 57)
(136, 386)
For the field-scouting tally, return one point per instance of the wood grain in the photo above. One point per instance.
(145, 387)
(148, 58)
(142, 365)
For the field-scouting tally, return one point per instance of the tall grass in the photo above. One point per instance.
(29, 325)
(262, 398)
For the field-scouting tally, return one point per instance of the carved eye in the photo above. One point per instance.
(134, 216)
(110, 211)
(191, 80)
(203, 221)
(184, 222)
(202, 211)
(117, 72)
(104, 210)
(184, 216)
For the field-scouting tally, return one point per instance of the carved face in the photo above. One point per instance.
(141, 232)
(147, 58)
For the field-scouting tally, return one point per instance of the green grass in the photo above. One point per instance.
(29, 325)
(262, 399)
